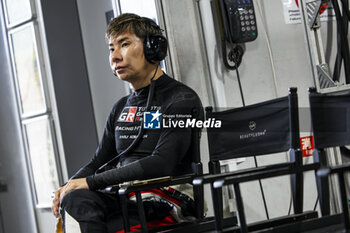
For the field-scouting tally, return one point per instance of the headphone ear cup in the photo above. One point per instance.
(155, 48)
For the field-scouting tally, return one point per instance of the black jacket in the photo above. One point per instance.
(160, 152)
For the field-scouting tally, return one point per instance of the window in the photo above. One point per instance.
(145, 8)
(26, 67)
(32, 97)
(39, 137)
(17, 11)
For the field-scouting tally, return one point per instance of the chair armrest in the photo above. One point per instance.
(210, 178)
(279, 171)
(144, 182)
(140, 185)
(340, 168)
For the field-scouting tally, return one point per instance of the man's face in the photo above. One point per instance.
(126, 57)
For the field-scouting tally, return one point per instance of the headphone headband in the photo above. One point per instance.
(153, 24)
(155, 46)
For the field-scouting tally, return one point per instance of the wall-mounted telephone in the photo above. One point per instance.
(239, 20)
(238, 23)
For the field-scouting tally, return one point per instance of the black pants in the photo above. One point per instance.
(91, 209)
(99, 212)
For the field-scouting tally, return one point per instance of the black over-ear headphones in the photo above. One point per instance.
(154, 46)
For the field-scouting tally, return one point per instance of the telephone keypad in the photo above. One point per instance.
(247, 17)
(241, 20)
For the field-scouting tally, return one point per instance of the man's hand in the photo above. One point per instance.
(56, 202)
(60, 192)
(74, 184)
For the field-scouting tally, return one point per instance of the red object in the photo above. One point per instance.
(164, 222)
(307, 145)
(169, 220)
(322, 9)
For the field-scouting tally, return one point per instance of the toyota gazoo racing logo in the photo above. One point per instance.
(134, 114)
(128, 114)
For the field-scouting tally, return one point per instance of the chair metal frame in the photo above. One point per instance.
(295, 168)
(235, 180)
(201, 223)
(323, 140)
(340, 171)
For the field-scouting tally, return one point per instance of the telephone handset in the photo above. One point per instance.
(239, 21)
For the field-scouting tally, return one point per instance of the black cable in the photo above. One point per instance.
(236, 55)
(290, 204)
(339, 58)
(141, 130)
(262, 192)
(345, 23)
(255, 160)
(343, 46)
(317, 199)
(240, 85)
(224, 57)
(228, 38)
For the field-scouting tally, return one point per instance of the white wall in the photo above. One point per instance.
(106, 89)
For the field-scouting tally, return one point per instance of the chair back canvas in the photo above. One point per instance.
(262, 128)
(330, 115)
